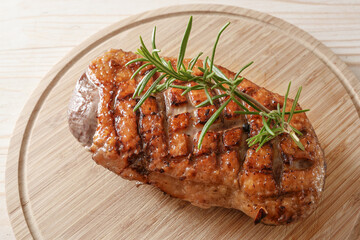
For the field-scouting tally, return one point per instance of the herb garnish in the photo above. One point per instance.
(274, 122)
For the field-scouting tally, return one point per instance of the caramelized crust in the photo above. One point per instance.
(179, 122)
(126, 127)
(209, 143)
(158, 144)
(196, 96)
(203, 114)
(175, 97)
(179, 145)
(232, 137)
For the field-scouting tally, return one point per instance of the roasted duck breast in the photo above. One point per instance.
(157, 144)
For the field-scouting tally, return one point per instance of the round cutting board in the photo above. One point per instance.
(55, 191)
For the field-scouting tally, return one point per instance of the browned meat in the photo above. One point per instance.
(157, 144)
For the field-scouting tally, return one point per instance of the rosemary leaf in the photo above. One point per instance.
(155, 52)
(278, 108)
(179, 86)
(136, 60)
(210, 122)
(246, 100)
(184, 44)
(267, 127)
(157, 64)
(208, 96)
(299, 111)
(297, 141)
(265, 140)
(205, 73)
(215, 45)
(237, 82)
(140, 87)
(221, 86)
(143, 48)
(160, 88)
(139, 69)
(205, 63)
(212, 78)
(239, 103)
(193, 61)
(148, 92)
(295, 130)
(206, 102)
(209, 76)
(285, 100)
(218, 84)
(252, 113)
(294, 104)
(219, 73)
(196, 87)
(241, 70)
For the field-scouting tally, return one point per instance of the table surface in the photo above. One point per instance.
(36, 34)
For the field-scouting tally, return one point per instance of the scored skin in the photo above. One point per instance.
(156, 145)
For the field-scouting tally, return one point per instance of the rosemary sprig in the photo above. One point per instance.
(274, 122)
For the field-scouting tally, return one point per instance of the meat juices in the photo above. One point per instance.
(157, 144)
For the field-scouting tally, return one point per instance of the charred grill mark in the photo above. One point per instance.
(260, 215)
(246, 127)
(203, 114)
(151, 129)
(139, 163)
(229, 111)
(165, 123)
(242, 154)
(179, 122)
(138, 129)
(279, 196)
(126, 128)
(277, 163)
(232, 137)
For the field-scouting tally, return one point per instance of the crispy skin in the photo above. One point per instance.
(157, 144)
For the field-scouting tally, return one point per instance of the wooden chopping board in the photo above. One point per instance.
(55, 191)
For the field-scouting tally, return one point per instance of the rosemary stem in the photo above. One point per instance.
(253, 100)
(212, 77)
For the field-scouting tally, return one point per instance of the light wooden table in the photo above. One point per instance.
(36, 34)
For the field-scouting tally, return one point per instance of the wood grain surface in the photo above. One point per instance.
(31, 45)
(55, 191)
